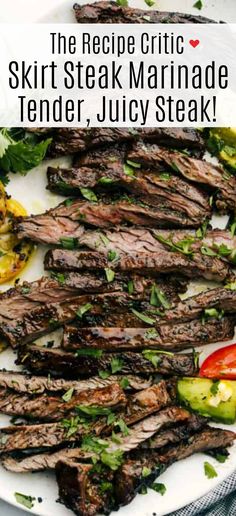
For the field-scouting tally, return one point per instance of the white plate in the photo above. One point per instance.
(185, 481)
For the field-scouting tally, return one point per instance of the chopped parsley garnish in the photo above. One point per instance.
(97, 353)
(130, 286)
(104, 239)
(207, 251)
(158, 298)
(143, 317)
(71, 425)
(124, 383)
(151, 334)
(112, 459)
(106, 486)
(105, 180)
(122, 426)
(69, 242)
(198, 5)
(212, 312)
(59, 277)
(122, 3)
(129, 171)
(104, 374)
(146, 472)
(154, 355)
(165, 176)
(158, 487)
(99, 446)
(182, 246)
(68, 395)
(209, 470)
(83, 309)
(88, 194)
(231, 286)
(201, 232)
(25, 290)
(112, 255)
(233, 228)
(110, 274)
(25, 500)
(116, 365)
(93, 411)
(174, 166)
(133, 164)
(115, 439)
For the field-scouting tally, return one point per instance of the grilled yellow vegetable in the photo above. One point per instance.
(14, 254)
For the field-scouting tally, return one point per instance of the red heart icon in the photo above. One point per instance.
(194, 42)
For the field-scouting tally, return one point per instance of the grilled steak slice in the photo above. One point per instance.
(171, 199)
(151, 263)
(71, 430)
(139, 286)
(81, 491)
(28, 384)
(70, 141)
(59, 363)
(129, 478)
(110, 12)
(163, 209)
(199, 171)
(166, 337)
(54, 408)
(187, 424)
(181, 432)
(192, 307)
(220, 241)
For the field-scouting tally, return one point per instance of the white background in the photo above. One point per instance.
(31, 10)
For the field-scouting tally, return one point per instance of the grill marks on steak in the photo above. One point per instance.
(50, 435)
(199, 171)
(59, 363)
(74, 140)
(33, 309)
(149, 262)
(166, 337)
(28, 384)
(80, 491)
(110, 12)
(186, 422)
(172, 202)
(54, 408)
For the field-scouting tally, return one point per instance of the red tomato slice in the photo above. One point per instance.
(220, 364)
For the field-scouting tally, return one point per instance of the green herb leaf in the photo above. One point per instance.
(124, 383)
(130, 286)
(158, 298)
(146, 18)
(128, 171)
(165, 176)
(207, 251)
(151, 334)
(93, 444)
(97, 353)
(154, 355)
(21, 156)
(122, 426)
(112, 255)
(59, 277)
(143, 490)
(198, 5)
(150, 3)
(25, 500)
(105, 180)
(106, 486)
(231, 286)
(221, 457)
(110, 274)
(83, 309)
(88, 194)
(71, 425)
(93, 411)
(104, 239)
(68, 395)
(115, 438)
(104, 374)
(209, 470)
(116, 365)
(143, 317)
(182, 246)
(111, 418)
(113, 459)
(233, 228)
(132, 163)
(69, 242)
(146, 472)
(122, 3)
(158, 487)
